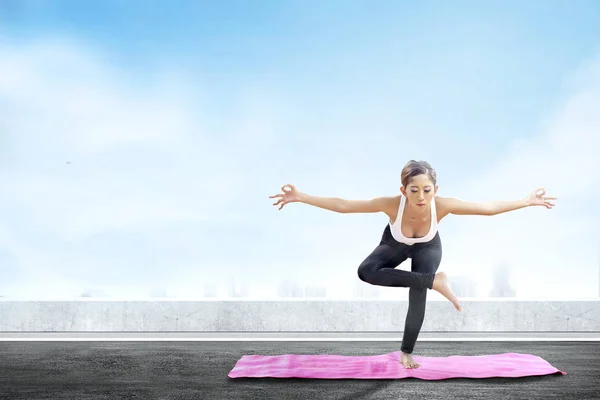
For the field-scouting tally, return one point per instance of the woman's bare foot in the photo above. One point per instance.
(408, 361)
(440, 284)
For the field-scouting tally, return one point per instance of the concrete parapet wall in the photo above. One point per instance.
(294, 316)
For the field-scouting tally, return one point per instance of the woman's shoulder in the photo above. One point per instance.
(440, 201)
(392, 205)
(441, 206)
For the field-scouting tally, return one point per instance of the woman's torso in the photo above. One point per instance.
(413, 229)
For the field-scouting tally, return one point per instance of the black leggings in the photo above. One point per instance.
(379, 269)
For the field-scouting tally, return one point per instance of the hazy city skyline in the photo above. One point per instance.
(463, 286)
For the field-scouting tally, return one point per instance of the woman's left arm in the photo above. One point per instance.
(455, 206)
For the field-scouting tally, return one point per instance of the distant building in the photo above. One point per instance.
(501, 282)
(313, 291)
(363, 290)
(289, 289)
(463, 286)
(93, 293)
(238, 289)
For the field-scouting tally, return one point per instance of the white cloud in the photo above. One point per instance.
(72, 99)
(103, 152)
(90, 149)
(555, 253)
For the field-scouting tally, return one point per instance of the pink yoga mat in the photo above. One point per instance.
(387, 366)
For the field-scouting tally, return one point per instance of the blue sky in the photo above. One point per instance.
(140, 141)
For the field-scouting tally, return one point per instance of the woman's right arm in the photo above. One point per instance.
(290, 194)
(344, 206)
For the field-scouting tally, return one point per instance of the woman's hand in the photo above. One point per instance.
(537, 198)
(290, 195)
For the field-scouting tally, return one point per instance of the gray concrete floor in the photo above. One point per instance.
(198, 370)
(301, 336)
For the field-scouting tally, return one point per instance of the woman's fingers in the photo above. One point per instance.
(287, 189)
(289, 186)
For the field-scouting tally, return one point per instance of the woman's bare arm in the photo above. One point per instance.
(345, 206)
(292, 195)
(456, 206)
(449, 205)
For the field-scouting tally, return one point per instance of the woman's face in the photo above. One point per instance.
(420, 190)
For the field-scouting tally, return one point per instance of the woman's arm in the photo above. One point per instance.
(455, 206)
(292, 195)
(344, 206)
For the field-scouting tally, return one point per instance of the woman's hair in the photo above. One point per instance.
(414, 168)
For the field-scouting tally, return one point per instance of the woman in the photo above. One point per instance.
(411, 233)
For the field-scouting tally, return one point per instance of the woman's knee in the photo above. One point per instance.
(363, 272)
(370, 270)
(367, 270)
